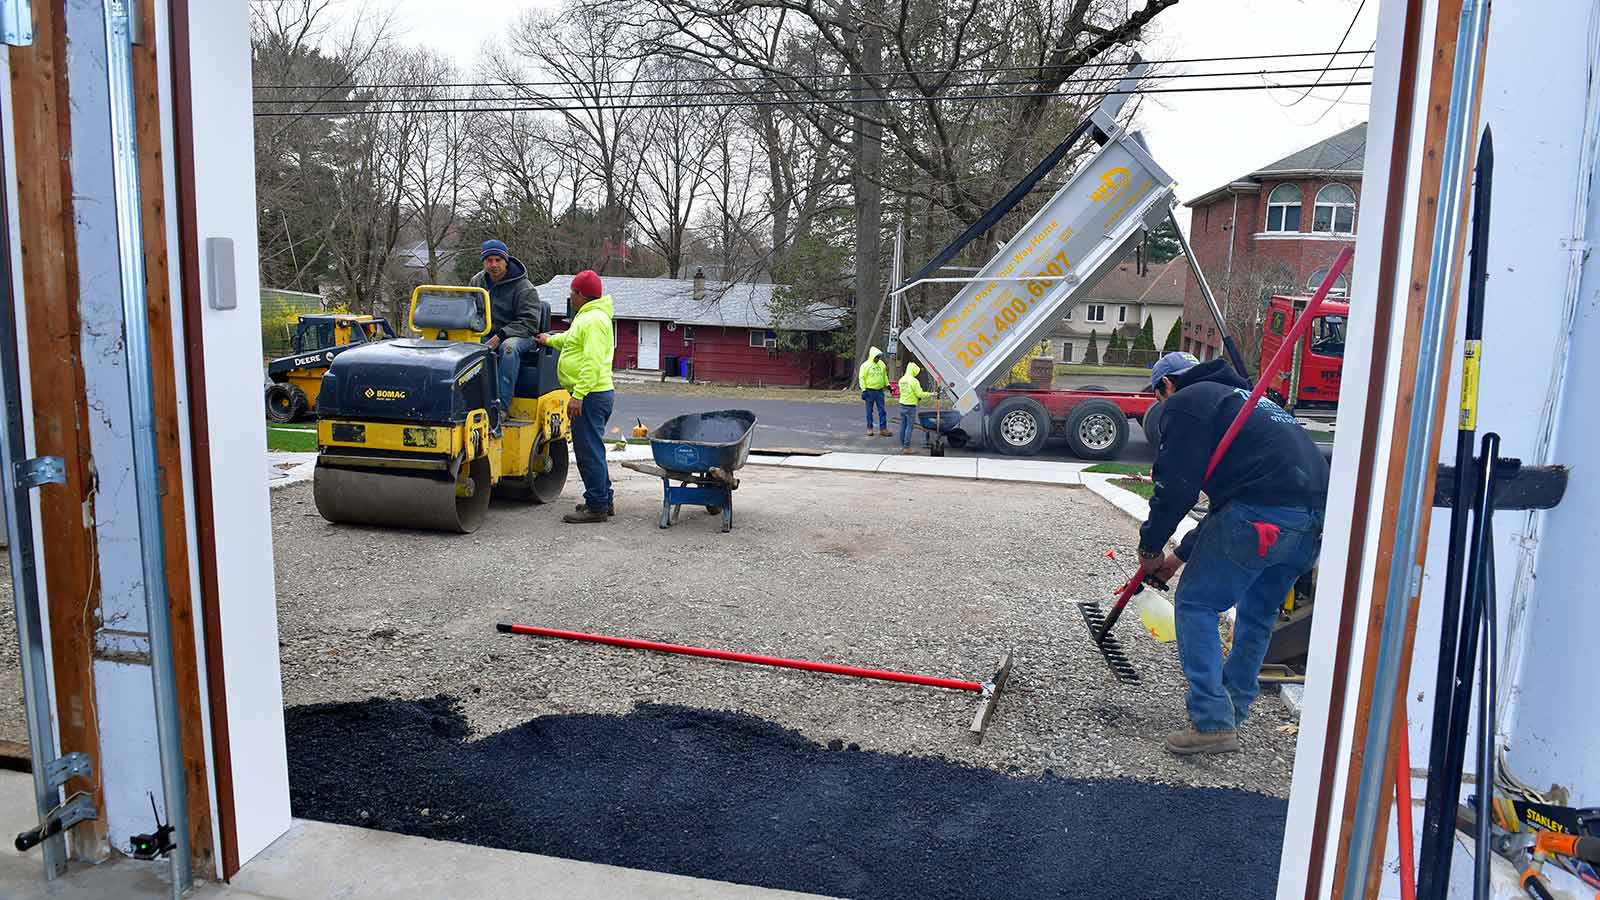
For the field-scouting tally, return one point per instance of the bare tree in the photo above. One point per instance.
(374, 157)
(577, 51)
(303, 52)
(436, 178)
(675, 146)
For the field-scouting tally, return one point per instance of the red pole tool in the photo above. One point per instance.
(953, 684)
(1285, 351)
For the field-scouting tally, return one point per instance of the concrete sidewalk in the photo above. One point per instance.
(284, 469)
(315, 860)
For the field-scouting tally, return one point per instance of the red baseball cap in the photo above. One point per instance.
(587, 283)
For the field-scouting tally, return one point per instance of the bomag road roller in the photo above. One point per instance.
(410, 432)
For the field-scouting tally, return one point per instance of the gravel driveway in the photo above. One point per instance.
(925, 575)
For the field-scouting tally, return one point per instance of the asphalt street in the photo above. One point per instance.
(797, 424)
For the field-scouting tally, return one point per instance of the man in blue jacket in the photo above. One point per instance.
(1263, 531)
(517, 312)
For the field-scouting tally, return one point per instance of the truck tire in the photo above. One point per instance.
(1091, 387)
(1019, 426)
(1097, 430)
(1151, 423)
(285, 402)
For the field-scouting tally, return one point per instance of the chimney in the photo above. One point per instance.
(699, 284)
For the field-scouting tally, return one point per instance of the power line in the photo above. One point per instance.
(1345, 37)
(617, 107)
(807, 77)
(1262, 73)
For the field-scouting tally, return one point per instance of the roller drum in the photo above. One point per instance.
(397, 500)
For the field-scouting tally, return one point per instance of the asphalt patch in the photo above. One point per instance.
(732, 797)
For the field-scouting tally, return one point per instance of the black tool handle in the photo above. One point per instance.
(1534, 885)
(34, 837)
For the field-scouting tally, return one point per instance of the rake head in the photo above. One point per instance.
(1109, 646)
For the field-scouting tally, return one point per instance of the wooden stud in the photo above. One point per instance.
(163, 365)
(44, 210)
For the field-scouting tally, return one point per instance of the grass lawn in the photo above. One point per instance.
(1119, 468)
(1143, 488)
(292, 438)
(1084, 369)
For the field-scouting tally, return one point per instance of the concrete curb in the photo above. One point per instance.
(1135, 506)
(284, 469)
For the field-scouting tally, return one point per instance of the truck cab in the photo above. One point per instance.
(1321, 352)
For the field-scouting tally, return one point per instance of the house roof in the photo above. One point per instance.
(1162, 284)
(414, 255)
(729, 304)
(1340, 155)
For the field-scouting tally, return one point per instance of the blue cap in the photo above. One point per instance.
(495, 248)
(1173, 363)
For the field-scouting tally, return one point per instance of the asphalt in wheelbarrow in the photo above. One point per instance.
(732, 797)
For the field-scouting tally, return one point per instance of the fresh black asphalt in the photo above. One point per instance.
(798, 424)
(731, 797)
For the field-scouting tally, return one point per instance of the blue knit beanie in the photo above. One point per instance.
(495, 248)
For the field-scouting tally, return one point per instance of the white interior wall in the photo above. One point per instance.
(225, 206)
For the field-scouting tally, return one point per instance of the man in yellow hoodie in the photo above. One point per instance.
(911, 393)
(873, 379)
(585, 371)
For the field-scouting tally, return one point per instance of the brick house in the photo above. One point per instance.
(729, 331)
(1275, 230)
(1120, 301)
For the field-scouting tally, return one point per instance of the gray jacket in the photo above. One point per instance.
(514, 302)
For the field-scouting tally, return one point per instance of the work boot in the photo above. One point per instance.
(584, 507)
(1191, 741)
(870, 432)
(882, 432)
(584, 515)
(906, 451)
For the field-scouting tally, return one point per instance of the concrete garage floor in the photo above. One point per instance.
(926, 575)
(316, 860)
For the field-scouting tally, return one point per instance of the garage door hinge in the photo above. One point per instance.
(16, 22)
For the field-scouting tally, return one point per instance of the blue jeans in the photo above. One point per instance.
(908, 421)
(874, 400)
(588, 441)
(1228, 568)
(509, 357)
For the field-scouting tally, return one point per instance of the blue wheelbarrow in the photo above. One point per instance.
(940, 426)
(701, 452)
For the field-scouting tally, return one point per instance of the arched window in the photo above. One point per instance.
(1335, 211)
(1283, 208)
(1341, 285)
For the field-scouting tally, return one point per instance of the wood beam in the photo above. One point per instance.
(43, 135)
(169, 451)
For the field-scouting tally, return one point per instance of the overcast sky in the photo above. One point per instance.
(1203, 139)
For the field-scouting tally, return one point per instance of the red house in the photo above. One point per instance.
(1273, 231)
(728, 331)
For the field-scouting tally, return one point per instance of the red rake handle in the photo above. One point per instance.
(1285, 352)
(954, 684)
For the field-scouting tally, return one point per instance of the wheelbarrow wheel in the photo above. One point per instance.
(714, 510)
